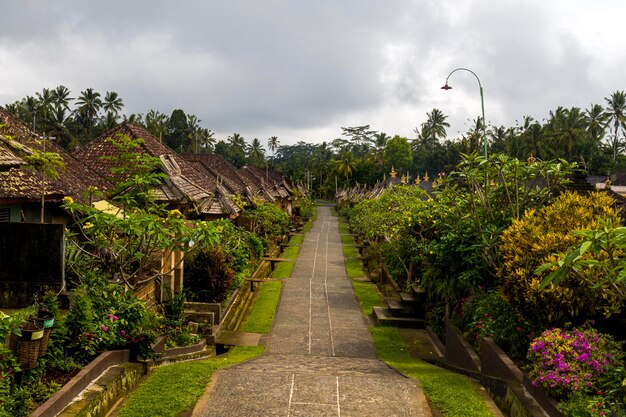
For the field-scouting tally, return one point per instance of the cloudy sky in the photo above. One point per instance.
(302, 69)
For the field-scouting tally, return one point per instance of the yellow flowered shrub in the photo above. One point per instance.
(545, 235)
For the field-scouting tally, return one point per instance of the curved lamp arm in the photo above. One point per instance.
(482, 101)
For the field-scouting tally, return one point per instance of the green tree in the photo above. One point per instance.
(346, 164)
(89, 104)
(256, 153)
(237, 149)
(616, 115)
(398, 153)
(157, 123)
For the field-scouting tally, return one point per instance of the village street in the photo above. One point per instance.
(320, 359)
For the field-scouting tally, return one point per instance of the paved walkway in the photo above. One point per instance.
(320, 359)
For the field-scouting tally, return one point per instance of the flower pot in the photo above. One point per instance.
(31, 331)
(45, 318)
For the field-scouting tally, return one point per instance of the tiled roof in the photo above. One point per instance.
(185, 184)
(8, 158)
(222, 171)
(22, 183)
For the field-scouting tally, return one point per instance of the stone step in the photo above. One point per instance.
(384, 316)
(398, 308)
(408, 297)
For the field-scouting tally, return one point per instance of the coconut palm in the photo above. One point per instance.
(566, 129)
(61, 97)
(435, 126)
(112, 103)
(616, 115)
(237, 149)
(89, 104)
(272, 144)
(256, 153)
(346, 164)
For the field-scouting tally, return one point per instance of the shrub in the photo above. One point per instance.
(487, 314)
(269, 222)
(563, 362)
(208, 275)
(543, 236)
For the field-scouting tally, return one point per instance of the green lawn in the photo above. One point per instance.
(171, 390)
(262, 315)
(453, 394)
(367, 294)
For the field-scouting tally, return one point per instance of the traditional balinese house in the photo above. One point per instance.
(225, 174)
(272, 184)
(23, 189)
(185, 189)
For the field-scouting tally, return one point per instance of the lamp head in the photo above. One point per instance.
(446, 87)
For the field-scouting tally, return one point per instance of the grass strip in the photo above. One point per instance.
(173, 389)
(368, 296)
(262, 315)
(309, 225)
(453, 394)
(344, 229)
(354, 267)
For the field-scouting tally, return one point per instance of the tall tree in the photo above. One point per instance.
(435, 127)
(61, 97)
(112, 105)
(346, 164)
(272, 145)
(157, 123)
(237, 149)
(616, 114)
(89, 104)
(256, 153)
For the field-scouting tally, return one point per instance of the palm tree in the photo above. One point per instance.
(156, 123)
(193, 127)
(89, 104)
(256, 153)
(61, 97)
(616, 114)
(566, 129)
(237, 149)
(206, 140)
(45, 102)
(596, 120)
(346, 164)
(435, 126)
(272, 144)
(59, 126)
(112, 103)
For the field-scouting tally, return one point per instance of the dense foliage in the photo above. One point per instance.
(543, 235)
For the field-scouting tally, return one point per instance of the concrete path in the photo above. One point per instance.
(320, 359)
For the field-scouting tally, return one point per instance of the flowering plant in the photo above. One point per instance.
(564, 361)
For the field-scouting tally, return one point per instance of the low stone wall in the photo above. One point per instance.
(459, 353)
(115, 383)
(59, 401)
(506, 383)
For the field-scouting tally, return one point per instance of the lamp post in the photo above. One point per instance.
(482, 102)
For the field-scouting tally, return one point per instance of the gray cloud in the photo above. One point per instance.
(306, 68)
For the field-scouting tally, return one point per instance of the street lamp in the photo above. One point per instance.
(482, 102)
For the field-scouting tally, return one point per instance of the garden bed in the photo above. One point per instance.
(119, 381)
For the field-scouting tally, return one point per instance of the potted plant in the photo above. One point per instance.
(30, 330)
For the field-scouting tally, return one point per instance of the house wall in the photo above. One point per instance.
(14, 212)
(32, 260)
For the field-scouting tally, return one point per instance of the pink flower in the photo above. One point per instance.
(122, 332)
(103, 327)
